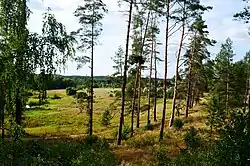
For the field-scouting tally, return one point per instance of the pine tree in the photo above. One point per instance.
(196, 55)
(190, 9)
(223, 73)
(119, 136)
(90, 16)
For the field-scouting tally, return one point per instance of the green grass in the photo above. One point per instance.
(61, 118)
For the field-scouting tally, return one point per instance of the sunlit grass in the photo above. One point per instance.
(61, 118)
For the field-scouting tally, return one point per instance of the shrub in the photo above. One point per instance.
(178, 124)
(92, 151)
(125, 132)
(170, 93)
(70, 91)
(118, 93)
(81, 95)
(162, 158)
(149, 127)
(192, 139)
(55, 97)
(28, 94)
(106, 117)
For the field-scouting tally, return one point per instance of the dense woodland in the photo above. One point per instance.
(202, 113)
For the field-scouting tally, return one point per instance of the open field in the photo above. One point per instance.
(60, 119)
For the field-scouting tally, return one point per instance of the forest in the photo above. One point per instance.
(200, 117)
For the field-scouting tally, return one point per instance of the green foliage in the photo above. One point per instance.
(216, 114)
(126, 131)
(94, 152)
(149, 127)
(178, 124)
(70, 91)
(106, 117)
(118, 93)
(82, 99)
(162, 158)
(192, 139)
(234, 142)
(170, 93)
(223, 73)
(16, 131)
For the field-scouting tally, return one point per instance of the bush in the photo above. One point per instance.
(149, 127)
(178, 124)
(106, 117)
(192, 139)
(125, 132)
(162, 158)
(92, 151)
(118, 94)
(70, 91)
(28, 94)
(81, 95)
(55, 97)
(170, 93)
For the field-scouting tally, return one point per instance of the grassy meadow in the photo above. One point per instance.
(59, 118)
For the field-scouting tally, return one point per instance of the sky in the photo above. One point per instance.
(219, 20)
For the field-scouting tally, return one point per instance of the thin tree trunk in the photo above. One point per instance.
(92, 83)
(155, 85)
(139, 98)
(249, 98)
(192, 95)
(2, 109)
(140, 66)
(189, 86)
(125, 76)
(18, 119)
(246, 94)
(150, 77)
(134, 103)
(227, 95)
(177, 72)
(165, 75)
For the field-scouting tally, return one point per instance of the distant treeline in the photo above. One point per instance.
(62, 82)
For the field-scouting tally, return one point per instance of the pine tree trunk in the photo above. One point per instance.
(246, 95)
(227, 95)
(165, 75)
(2, 109)
(150, 77)
(189, 87)
(192, 95)
(18, 119)
(189, 78)
(125, 76)
(177, 72)
(140, 68)
(155, 84)
(92, 83)
(139, 97)
(249, 98)
(134, 103)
